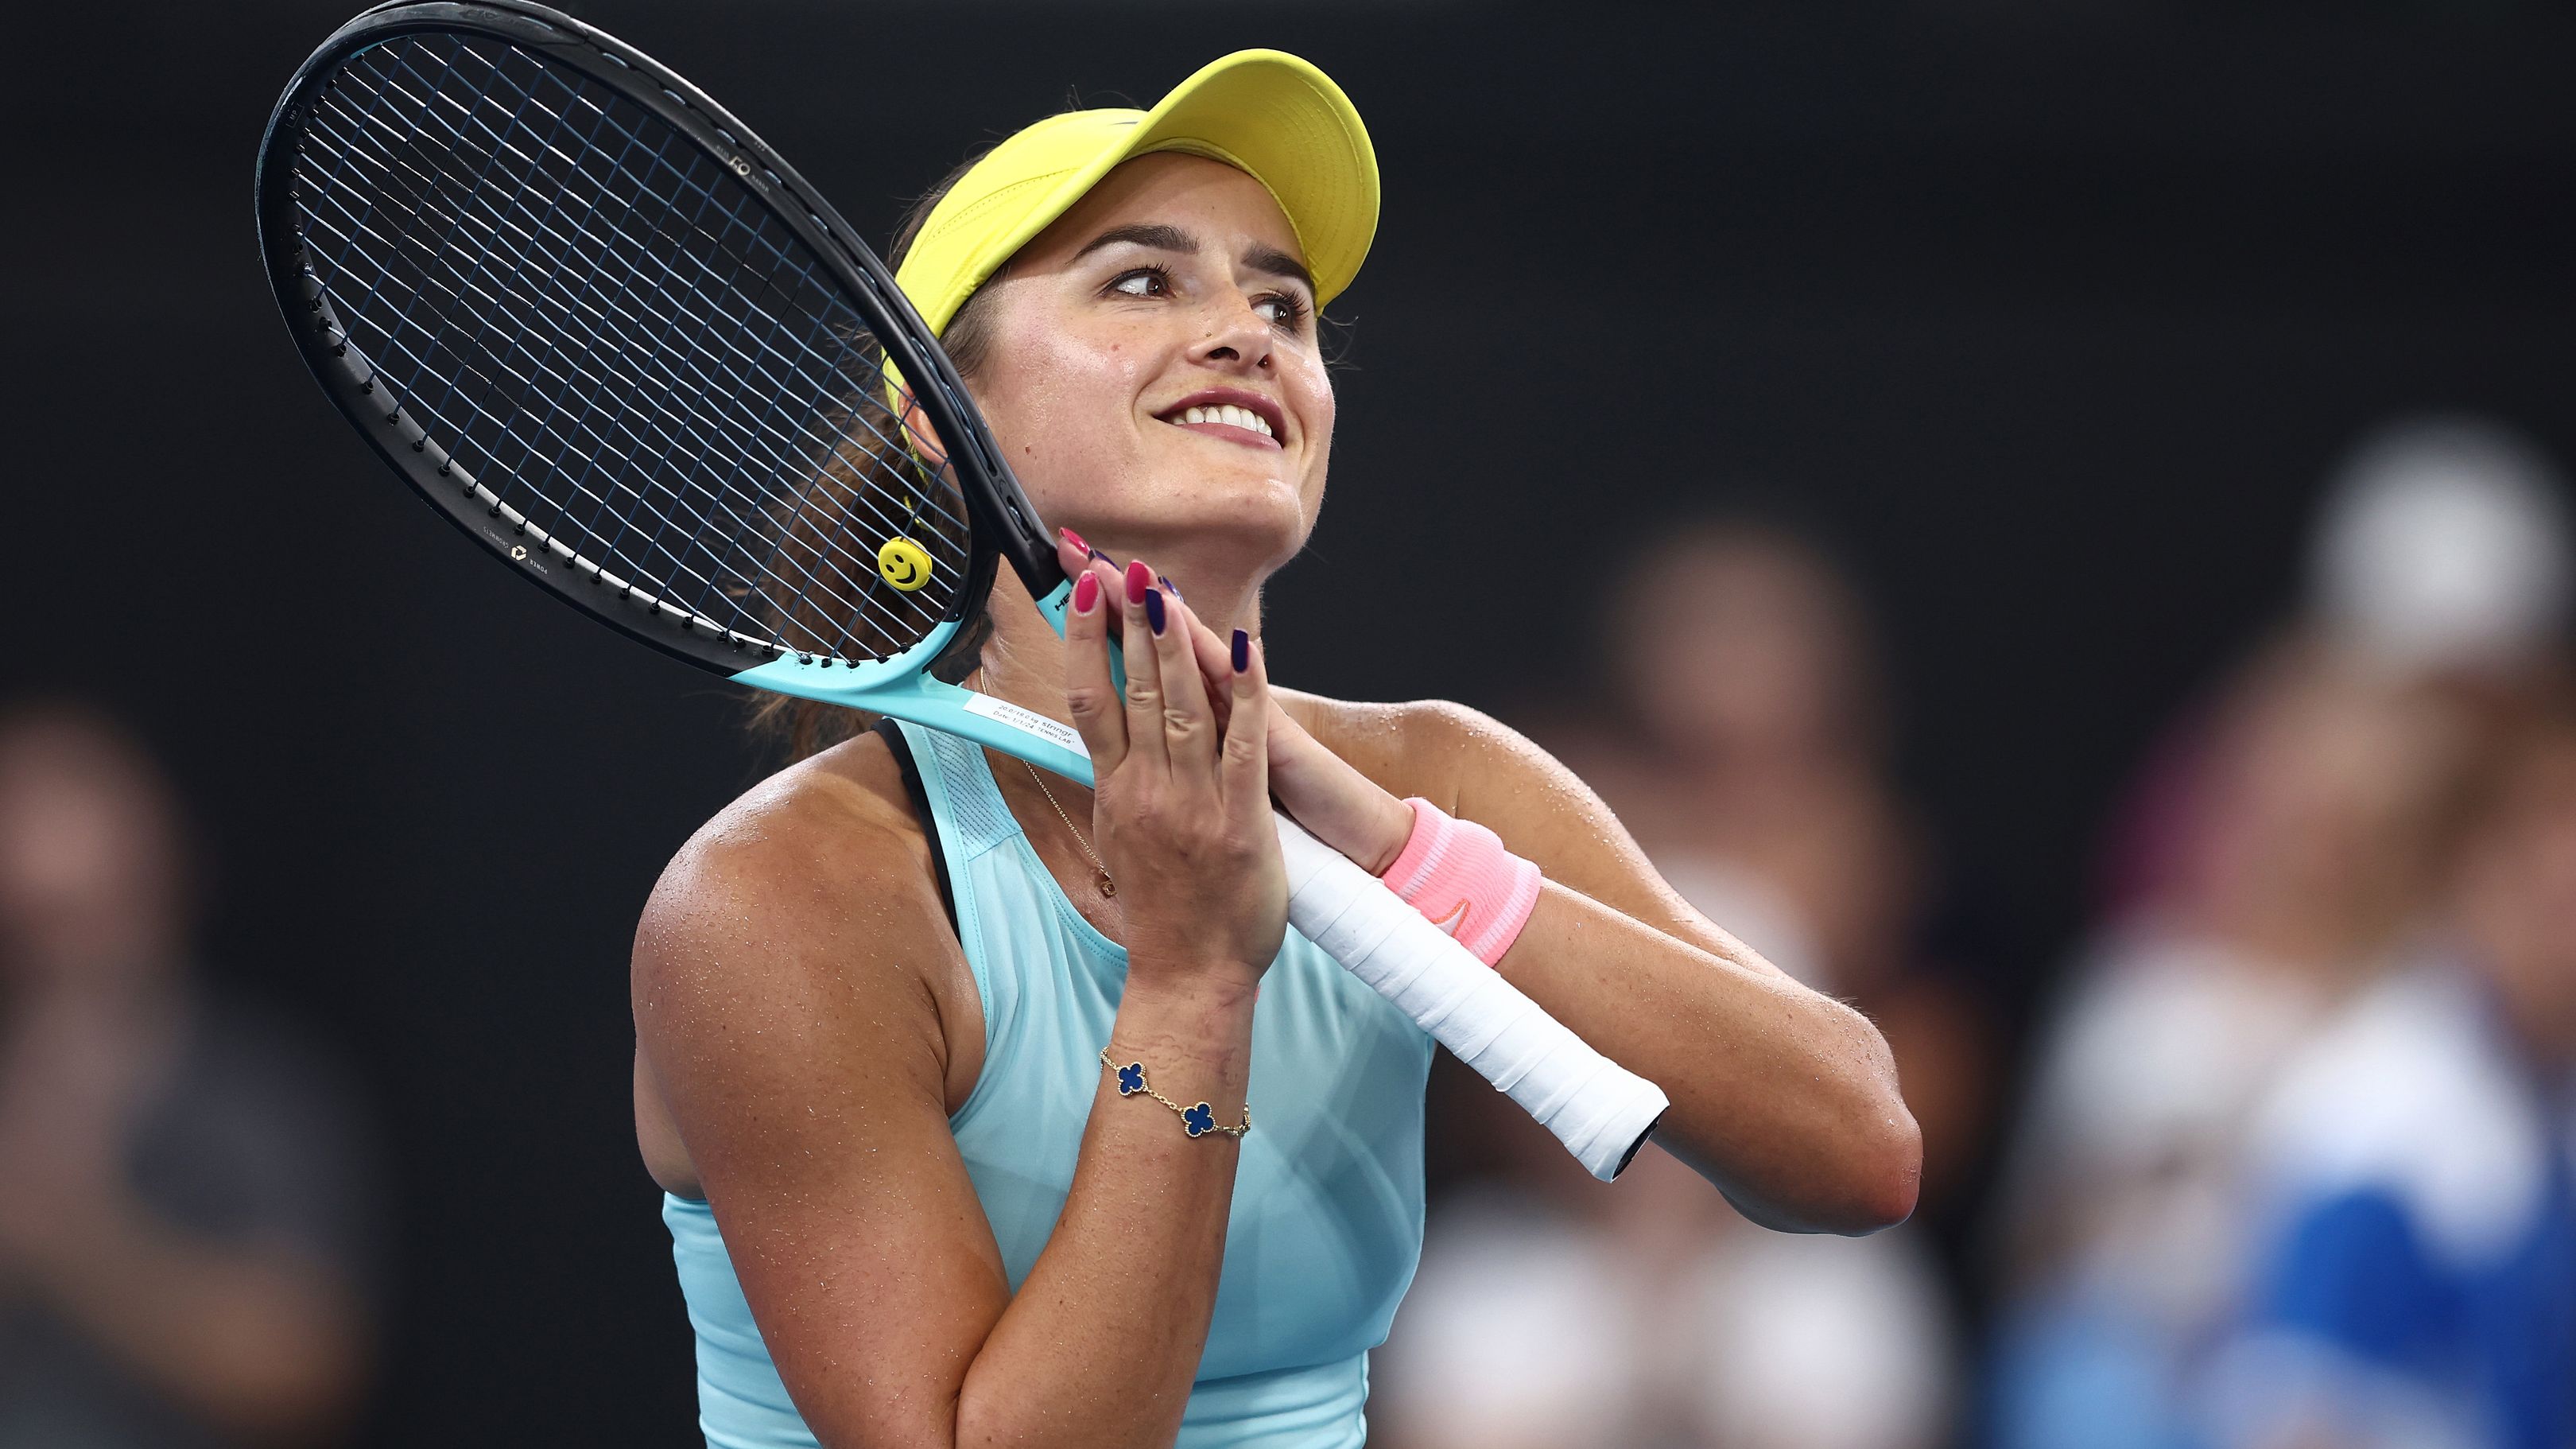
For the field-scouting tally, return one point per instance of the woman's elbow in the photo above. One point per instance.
(1882, 1146)
(1857, 1173)
(1886, 1163)
(1872, 1168)
(1868, 1181)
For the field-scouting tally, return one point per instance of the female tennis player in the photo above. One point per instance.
(1022, 1115)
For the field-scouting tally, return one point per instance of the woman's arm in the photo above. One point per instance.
(783, 1005)
(1784, 1098)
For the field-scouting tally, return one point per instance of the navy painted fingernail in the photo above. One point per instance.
(1242, 651)
(1098, 557)
(1154, 610)
(1166, 581)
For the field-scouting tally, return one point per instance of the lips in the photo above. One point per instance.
(1231, 413)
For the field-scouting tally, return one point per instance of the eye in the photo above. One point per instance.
(1143, 282)
(1284, 310)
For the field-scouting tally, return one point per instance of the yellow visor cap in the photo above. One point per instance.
(1264, 112)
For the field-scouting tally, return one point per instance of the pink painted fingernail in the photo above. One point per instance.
(1086, 593)
(1140, 581)
(1075, 539)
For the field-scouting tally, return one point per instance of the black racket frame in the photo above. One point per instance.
(1001, 522)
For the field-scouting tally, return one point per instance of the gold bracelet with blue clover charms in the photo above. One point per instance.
(1198, 1120)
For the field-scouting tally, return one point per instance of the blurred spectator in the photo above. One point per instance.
(1649, 1315)
(1755, 772)
(2441, 553)
(2415, 1175)
(2328, 789)
(1752, 768)
(181, 1216)
(2280, 854)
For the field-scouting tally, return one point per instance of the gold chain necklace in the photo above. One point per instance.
(1108, 887)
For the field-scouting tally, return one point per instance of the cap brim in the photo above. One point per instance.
(1283, 122)
(1264, 112)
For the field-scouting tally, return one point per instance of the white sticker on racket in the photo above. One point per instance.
(1026, 721)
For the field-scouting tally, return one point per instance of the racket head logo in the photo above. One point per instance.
(740, 165)
(904, 564)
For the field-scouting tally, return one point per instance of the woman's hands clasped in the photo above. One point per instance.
(1181, 808)
(1344, 808)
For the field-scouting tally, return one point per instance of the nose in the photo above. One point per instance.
(1238, 338)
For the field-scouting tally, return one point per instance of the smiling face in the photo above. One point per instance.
(1151, 368)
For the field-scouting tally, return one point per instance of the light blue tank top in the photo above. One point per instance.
(1326, 1223)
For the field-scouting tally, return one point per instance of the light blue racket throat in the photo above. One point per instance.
(898, 687)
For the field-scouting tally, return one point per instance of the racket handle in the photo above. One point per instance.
(1600, 1110)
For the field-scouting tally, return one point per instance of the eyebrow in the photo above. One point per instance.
(1164, 237)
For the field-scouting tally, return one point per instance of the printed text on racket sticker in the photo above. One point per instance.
(1026, 721)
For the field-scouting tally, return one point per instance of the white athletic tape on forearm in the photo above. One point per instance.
(1597, 1108)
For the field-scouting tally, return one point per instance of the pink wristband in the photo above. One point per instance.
(1459, 876)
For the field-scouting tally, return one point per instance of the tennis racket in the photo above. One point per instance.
(600, 327)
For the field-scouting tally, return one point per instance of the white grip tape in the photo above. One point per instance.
(1597, 1108)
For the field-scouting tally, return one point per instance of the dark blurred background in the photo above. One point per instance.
(2049, 323)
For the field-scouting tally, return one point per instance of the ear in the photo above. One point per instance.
(917, 429)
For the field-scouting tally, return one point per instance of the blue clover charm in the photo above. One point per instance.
(1131, 1079)
(1200, 1120)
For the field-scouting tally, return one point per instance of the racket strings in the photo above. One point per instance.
(634, 360)
(605, 340)
(765, 378)
(552, 142)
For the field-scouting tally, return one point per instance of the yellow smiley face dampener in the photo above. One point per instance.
(904, 564)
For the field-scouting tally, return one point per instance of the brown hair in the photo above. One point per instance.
(804, 727)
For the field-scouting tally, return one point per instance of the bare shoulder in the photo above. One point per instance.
(794, 853)
(1454, 756)
(797, 930)
(794, 1001)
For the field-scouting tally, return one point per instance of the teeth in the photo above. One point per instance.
(1230, 415)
